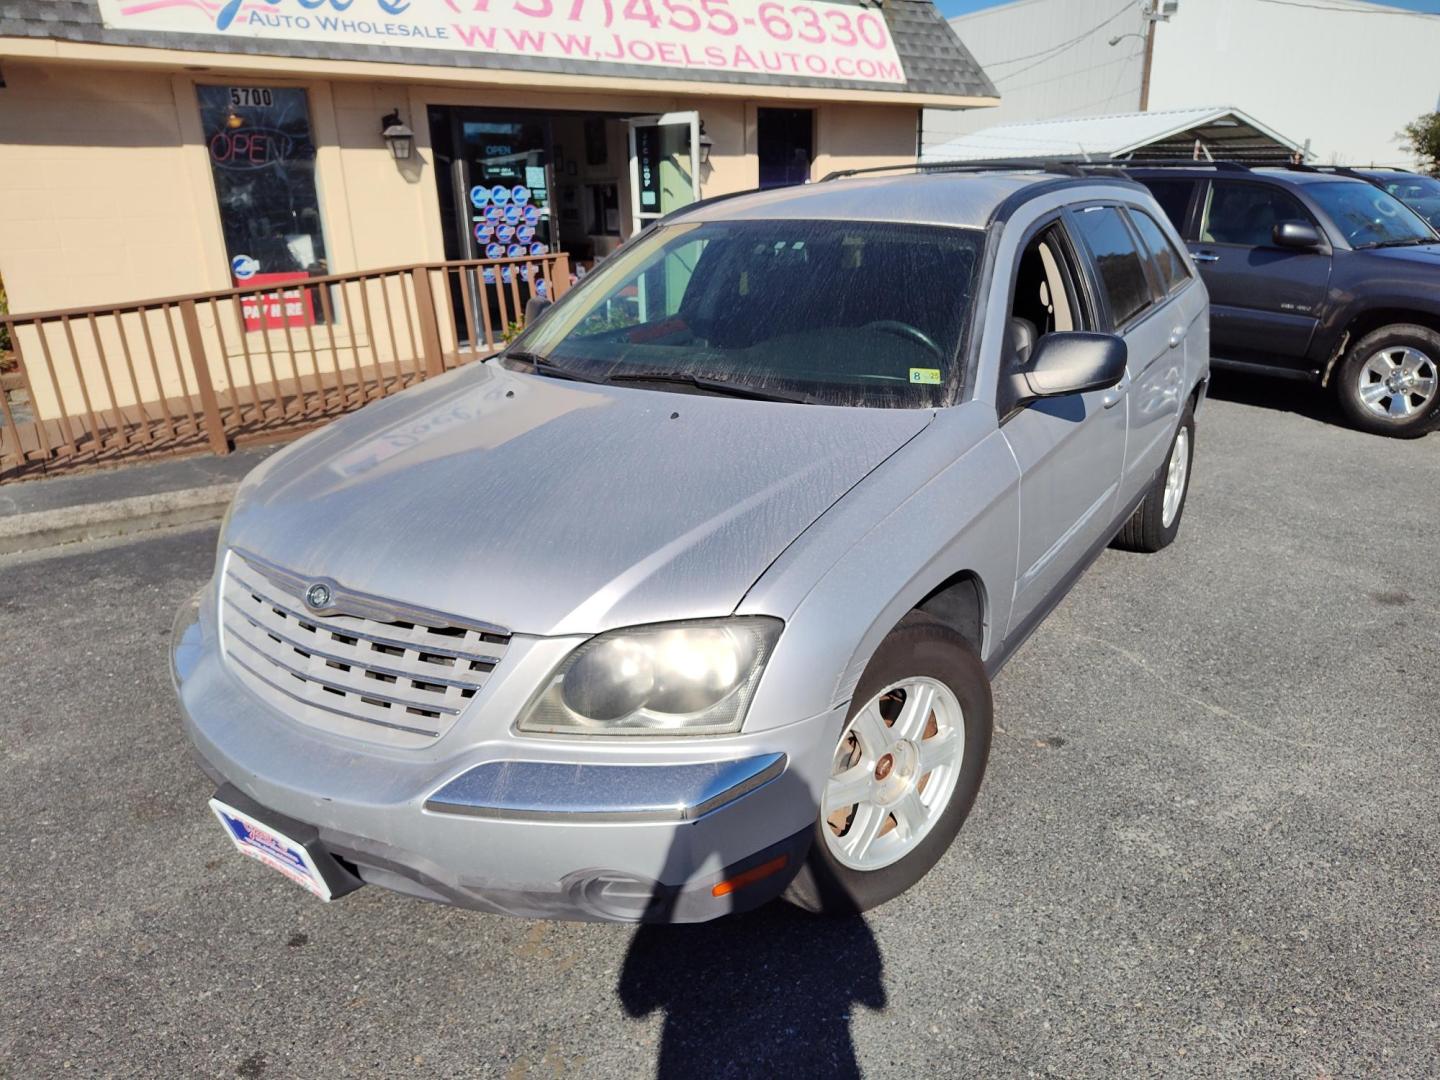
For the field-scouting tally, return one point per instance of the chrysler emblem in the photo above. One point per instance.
(318, 596)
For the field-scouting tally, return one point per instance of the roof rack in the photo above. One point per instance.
(1062, 168)
(1222, 165)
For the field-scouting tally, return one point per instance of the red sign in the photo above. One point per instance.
(277, 310)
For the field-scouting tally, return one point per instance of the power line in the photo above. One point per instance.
(1121, 60)
(1353, 11)
(1062, 45)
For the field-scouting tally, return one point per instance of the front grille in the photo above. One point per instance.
(363, 667)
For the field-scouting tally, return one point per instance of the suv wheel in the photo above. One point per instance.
(905, 772)
(1389, 382)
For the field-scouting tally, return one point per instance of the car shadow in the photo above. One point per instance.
(1277, 394)
(770, 993)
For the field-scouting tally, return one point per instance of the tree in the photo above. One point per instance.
(1422, 138)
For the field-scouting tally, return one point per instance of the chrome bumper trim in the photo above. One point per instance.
(543, 790)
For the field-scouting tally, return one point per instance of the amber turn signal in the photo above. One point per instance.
(749, 877)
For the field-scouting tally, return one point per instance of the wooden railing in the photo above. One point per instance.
(220, 369)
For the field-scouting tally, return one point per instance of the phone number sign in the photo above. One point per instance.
(782, 38)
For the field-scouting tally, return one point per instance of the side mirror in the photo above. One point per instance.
(1072, 363)
(535, 307)
(1296, 234)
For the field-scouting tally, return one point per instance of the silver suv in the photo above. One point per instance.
(695, 594)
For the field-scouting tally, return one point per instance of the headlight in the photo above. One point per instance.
(694, 678)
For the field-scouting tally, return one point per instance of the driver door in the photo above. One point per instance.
(1265, 300)
(1070, 450)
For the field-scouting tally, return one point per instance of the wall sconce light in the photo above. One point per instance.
(705, 144)
(398, 137)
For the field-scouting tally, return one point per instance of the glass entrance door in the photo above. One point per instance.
(664, 164)
(499, 182)
(493, 171)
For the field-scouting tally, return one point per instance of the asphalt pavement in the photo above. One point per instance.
(1208, 842)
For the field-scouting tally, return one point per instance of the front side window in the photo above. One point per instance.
(1248, 213)
(1046, 299)
(834, 312)
(262, 156)
(1122, 273)
(1173, 271)
(1368, 217)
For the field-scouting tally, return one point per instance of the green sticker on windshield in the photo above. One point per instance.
(928, 375)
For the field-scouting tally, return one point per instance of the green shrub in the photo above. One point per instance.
(1422, 138)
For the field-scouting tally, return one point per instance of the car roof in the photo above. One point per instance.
(933, 197)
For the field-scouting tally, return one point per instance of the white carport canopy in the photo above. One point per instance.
(1219, 133)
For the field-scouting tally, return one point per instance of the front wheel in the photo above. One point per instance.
(905, 772)
(1389, 381)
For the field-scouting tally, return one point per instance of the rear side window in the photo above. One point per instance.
(1247, 213)
(1122, 274)
(1174, 198)
(1173, 271)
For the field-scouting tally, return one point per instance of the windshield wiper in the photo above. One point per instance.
(712, 386)
(542, 366)
(1408, 241)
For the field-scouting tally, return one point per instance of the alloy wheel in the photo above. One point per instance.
(1176, 477)
(893, 773)
(1398, 381)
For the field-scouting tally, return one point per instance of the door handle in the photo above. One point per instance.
(1177, 336)
(1206, 256)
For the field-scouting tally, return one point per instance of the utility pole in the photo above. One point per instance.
(1149, 62)
(1155, 11)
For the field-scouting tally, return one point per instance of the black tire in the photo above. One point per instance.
(919, 646)
(1352, 377)
(1146, 530)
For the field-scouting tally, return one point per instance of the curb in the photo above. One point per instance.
(120, 517)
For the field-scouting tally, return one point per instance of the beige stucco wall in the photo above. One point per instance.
(106, 194)
(859, 136)
(96, 200)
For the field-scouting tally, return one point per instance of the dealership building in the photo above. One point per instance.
(162, 147)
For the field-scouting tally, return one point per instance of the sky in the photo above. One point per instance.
(951, 8)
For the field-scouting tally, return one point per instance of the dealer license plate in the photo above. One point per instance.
(273, 848)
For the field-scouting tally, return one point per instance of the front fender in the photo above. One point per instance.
(1369, 308)
(949, 502)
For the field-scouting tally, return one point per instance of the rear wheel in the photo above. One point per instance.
(905, 771)
(1156, 521)
(1389, 381)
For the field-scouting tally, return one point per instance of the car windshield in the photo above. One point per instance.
(827, 312)
(1413, 187)
(1369, 217)
(1420, 193)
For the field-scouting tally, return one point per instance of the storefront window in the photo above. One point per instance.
(785, 145)
(262, 155)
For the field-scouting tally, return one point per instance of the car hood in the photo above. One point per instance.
(1426, 254)
(552, 507)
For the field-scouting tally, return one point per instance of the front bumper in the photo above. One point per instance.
(540, 827)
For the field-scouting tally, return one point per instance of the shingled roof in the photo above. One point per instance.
(934, 58)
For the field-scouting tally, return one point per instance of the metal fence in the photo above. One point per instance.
(220, 369)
